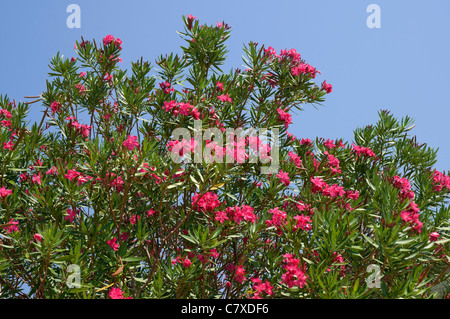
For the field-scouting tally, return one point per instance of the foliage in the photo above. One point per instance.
(108, 197)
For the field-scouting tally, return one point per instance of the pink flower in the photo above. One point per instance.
(208, 202)
(224, 98)
(195, 113)
(405, 187)
(352, 194)
(187, 263)
(6, 123)
(236, 149)
(191, 17)
(365, 151)
(13, 227)
(304, 68)
(184, 108)
(303, 222)
(83, 179)
(70, 215)
(131, 142)
(80, 87)
(214, 253)
(5, 192)
(406, 216)
(190, 20)
(221, 216)
(108, 77)
(238, 214)
(36, 179)
(219, 86)
(240, 274)
(37, 237)
(291, 54)
(118, 43)
(401, 183)
(117, 183)
(151, 212)
(417, 225)
(166, 87)
(333, 190)
(411, 216)
(72, 174)
(116, 293)
(327, 87)
(284, 177)
(302, 207)
(134, 219)
(113, 244)
(6, 113)
(176, 260)
(434, 236)
(55, 107)
(318, 184)
(8, 146)
(333, 163)
(306, 142)
(284, 117)
(170, 105)
(338, 259)
(329, 144)
(278, 217)
(440, 181)
(341, 144)
(108, 39)
(270, 52)
(259, 287)
(294, 275)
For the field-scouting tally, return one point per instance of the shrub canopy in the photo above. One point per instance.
(94, 204)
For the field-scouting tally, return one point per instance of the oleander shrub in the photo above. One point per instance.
(101, 199)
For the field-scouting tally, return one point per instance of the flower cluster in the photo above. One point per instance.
(181, 108)
(107, 40)
(4, 192)
(82, 129)
(295, 274)
(363, 151)
(130, 143)
(284, 117)
(318, 185)
(236, 214)
(207, 202)
(440, 181)
(295, 159)
(411, 214)
(260, 288)
(116, 293)
(278, 218)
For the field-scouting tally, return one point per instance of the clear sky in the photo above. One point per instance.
(403, 66)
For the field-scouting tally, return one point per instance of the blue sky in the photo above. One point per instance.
(402, 66)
